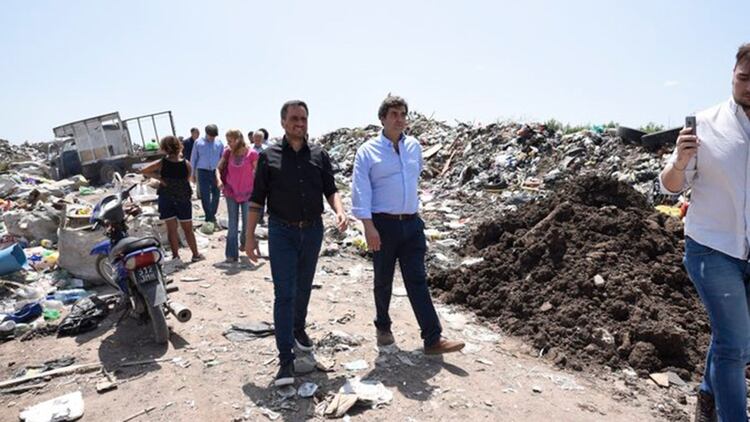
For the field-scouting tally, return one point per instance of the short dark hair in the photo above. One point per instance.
(391, 101)
(293, 103)
(194, 129)
(743, 53)
(250, 135)
(265, 133)
(212, 130)
(170, 145)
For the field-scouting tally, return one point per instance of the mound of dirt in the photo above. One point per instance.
(591, 276)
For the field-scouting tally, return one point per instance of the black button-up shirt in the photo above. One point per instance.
(294, 183)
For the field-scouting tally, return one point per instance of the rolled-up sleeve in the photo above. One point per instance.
(329, 183)
(260, 184)
(361, 186)
(690, 172)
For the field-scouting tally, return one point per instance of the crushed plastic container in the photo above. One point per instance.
(68, 296)
(52, 304)
(12, 259)
(27, 313)
(7, 327)
(51, 314)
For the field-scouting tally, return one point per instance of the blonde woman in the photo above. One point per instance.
(237, 169)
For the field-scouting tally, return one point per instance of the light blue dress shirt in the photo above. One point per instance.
(385, 181)
(206, 154)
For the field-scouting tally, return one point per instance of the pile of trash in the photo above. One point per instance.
(16, 153)
(46, 269)
(513, 159)
(498, 167)
(591, 275)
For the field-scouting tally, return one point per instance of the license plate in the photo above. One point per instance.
(146, 274)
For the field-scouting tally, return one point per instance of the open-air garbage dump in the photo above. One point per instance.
(557, 237)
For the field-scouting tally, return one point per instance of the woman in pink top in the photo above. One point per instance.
(237, 169)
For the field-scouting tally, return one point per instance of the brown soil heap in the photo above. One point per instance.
(591, 275)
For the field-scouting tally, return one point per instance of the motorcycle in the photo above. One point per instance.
(132, 265)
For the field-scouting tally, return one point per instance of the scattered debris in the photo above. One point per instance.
(24, 388)
(339, 341)
(357, 365)
(665, 379)
(369, 392)
(340, 404)
(64, 408)
(104, 386)
(249, 331)
(287, 392)
(270, 414)
(307, 390)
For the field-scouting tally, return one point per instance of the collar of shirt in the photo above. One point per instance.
(388, 141)
(285, 145)
(742, 116)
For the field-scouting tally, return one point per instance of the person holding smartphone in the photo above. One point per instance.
(712, 160)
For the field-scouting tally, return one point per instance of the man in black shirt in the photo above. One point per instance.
(293, 176)
(187, 144)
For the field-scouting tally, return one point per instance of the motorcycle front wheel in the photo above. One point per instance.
(106, 271)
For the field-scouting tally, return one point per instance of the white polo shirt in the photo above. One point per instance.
(719, 212)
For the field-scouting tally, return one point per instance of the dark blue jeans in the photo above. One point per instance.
(722, 284)
(294, 256)
(404, 240)
(237, 217)
(210, 194)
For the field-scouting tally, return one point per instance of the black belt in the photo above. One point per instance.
(395, 216)
(295, 224)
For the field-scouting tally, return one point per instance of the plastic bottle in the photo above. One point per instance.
(75, 283)
(29, 293)
(51, 314)
(68, 296)
(7, 327)
(52, 304)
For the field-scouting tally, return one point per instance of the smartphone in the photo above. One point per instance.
(690, 123)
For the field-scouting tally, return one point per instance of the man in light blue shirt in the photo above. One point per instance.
(205, 158)
(385, 197)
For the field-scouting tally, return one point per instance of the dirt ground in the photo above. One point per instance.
(202, 376)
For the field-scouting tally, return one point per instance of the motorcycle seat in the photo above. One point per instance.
(131, 244)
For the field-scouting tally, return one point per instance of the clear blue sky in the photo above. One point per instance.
(234, 63)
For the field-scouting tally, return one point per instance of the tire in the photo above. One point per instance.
(630, 136)
(158, 323)
(106, 173)
(658, 139)
(105, 270)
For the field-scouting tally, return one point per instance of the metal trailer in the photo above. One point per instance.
(99, 147)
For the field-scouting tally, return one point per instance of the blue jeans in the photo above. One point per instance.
(233, 209)
(404, 240)
(209, 193)
(294, 256)
(721, 282)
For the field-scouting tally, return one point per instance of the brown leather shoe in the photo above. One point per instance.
(385, 338)
(444, 346)
(705, 408)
